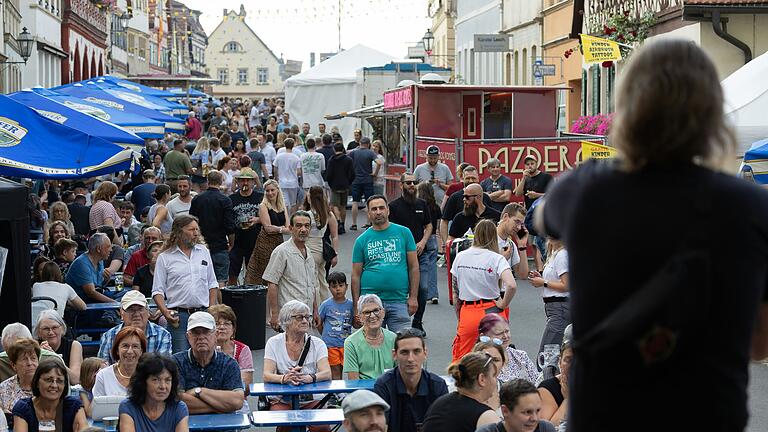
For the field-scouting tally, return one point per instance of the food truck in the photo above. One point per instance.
(474, 124)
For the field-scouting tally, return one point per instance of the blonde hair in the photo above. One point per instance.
(688, 127)
(59, 205)
(553, 246)
(485, 236)
(201, 146)
(279, 204)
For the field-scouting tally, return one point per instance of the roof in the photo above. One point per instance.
(409, 67)
(232, 12)
(341, 68)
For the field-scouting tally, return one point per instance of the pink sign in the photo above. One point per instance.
(397, 99)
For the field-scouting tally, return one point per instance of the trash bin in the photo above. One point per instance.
(250, 305)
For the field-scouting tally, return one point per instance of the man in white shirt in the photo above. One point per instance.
(287, 169)
(180, 205)
(216, 152)
(184, 280)
(268, 150)
(253, 115)
(312, 166)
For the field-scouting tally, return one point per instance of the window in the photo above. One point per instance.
(262, 75)
(224, 76)
(242, 76)
(153, 53)
(471, 121)
(561, 124)
(233, 47)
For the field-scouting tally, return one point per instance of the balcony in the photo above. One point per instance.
(597, 12)
(88, 12)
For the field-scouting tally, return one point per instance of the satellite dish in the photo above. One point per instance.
(432, 78)
(406, 83)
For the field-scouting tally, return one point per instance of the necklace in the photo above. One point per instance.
(117, 366)
(379, 335)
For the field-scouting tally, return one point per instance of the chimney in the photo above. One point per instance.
(225, 12)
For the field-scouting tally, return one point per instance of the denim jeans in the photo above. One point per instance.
(179, 334)
(221, 264)
(396, 317)
(558, 318)
(427, 270)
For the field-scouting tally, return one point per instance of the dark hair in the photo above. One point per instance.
(410, 333)
(300, 213)
(127, 205)
(316, 201)
(288, 143)
(161, 190)
(45, 366)
(51, 271)
(177, 142)
(108, 230)
(126, 332)
(152, 364)
(511, 391)
(466, 370)
(338, 147)
(53, 225)
(62, 245)
(336, 277)
(255, 143)
(327, 139)
(375, 197)
(310, 143)
(36, 266)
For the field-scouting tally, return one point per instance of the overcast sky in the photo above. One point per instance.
(294, 28)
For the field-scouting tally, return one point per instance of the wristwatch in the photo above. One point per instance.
(546, 284)
(198, 392)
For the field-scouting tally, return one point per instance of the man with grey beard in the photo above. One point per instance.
(413, 214)
(474, 211)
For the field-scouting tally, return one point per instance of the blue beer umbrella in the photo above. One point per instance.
(134, 86)
(34, 146)
(164, 105)
(94, 94)
(142, 126)
(180, 92)
(756, 158)
(75, 119)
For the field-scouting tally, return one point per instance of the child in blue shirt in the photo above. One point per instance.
(336, 321)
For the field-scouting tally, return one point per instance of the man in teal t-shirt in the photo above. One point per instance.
(384, 263)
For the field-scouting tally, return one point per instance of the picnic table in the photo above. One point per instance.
(207, 422)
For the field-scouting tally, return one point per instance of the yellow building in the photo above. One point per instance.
(556, 40)
(443, 13)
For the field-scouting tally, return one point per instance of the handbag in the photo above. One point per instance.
(328, 252)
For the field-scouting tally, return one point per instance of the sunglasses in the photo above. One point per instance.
(468, 197)
(409, 182)
(495, 341)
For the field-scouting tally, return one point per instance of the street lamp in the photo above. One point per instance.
(25, 41)
(428, 40)
(123, 20)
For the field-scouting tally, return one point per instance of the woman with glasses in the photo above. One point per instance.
(50, 331)
(465, 410)
(283, 352)
(226, 327)
(477, 273)
(494, 328)
(368, 351)
(130, 343)
(50, 407)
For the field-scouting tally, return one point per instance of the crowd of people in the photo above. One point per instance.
(248, 197)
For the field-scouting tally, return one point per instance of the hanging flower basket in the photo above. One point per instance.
(593, 125)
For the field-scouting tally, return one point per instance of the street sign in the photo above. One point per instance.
(491, 43)
(542, 70)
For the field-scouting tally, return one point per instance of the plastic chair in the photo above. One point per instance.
(40, 304)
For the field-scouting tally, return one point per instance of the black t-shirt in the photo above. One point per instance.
(501, 183)
(78, 214)
(454, 412)
(537, 183)
(245, 208)
(352, 145)
(461, 222)
(455, 204)
(553, 385)
(414, 216)
(143, 279)
(633, 224)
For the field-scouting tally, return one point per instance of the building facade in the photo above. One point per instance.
(43, 21)
(477, 17)
(443, 15)
(522, 20)
(556, 40)
(197, 42)
(128, 46)
(84, 34)
(157, 18)
(240, 61)
(12, 73)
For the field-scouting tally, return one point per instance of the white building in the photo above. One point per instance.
(478, 17)
(43, 21)
(522, 20)
(11, 74)
(243, 65)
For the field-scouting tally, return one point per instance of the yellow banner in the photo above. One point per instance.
(590, 150)
(598, 50)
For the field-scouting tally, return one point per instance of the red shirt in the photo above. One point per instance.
(454, 188)
(194, 128)
(138, 259)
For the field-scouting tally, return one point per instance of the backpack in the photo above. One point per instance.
(528, 221)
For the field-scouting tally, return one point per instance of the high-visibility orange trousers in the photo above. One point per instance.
(467, 328)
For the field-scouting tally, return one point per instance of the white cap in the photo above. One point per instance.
(201, 319)
(132, 297)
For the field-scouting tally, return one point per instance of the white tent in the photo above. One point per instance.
(746, 101)
(330, 88)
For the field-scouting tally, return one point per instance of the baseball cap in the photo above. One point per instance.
(361, 399)
(530, 157)
(132, 297)
(201, 319)
(433, 150)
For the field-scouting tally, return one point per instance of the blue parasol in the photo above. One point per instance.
(180, 92)
(757, 159)
(134, 86)
(35, 147)
(165, 106)
(139, 125)
(94, 94)
(75, 119)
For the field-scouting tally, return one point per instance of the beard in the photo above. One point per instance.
(470, 209)
(187, 242)
(409, 196)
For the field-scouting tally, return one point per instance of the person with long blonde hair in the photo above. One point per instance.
(477, 275)
(323, 220)
(274, 221)
(663, 311)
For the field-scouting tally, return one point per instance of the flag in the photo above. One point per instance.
(598, 50)
(590, 150)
